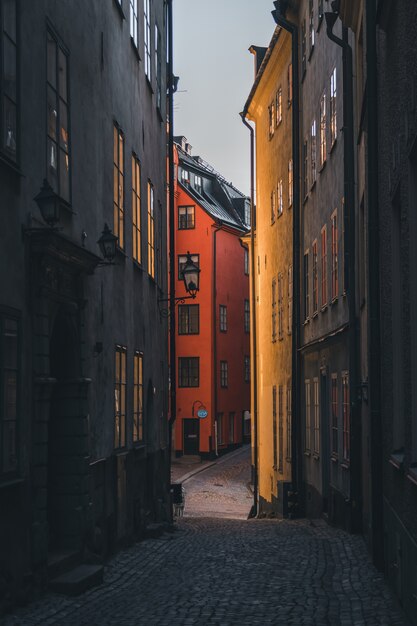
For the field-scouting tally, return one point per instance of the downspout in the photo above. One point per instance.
(254, 511)
(350, 264)
(374, 330)
(214, 326)
(172, 351)
(296, 468)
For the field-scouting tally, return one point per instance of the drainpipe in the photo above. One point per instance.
(254, 511)
(374, 330)
(214, 326)
(172, 351)
(349, 264)
(296, 468)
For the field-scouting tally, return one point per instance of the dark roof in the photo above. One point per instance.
(220, 202)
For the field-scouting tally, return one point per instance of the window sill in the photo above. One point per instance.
(310, 54)
(315, 315)
(324, 308)
(333, 146)
(345, 465)
(334, 301)
(139, 446)
(121, 253)
(334, 458)
(396, 459)
(119, 452)
(303, 74)
(290, 206)
(316, 456)
(320, 22)
(289, 104)
(148, 82)
(412, 474)
(4, 160)
(120, 9)
(305, 198)
(137, 265)
(313, 185)
(322, 167)
(279, 123)
(306, 321)
(307, 453)
(11, 482)
(135, 48)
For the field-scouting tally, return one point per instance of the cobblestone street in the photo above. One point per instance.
(226, 570)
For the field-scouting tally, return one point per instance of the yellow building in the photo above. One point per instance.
(269, 107)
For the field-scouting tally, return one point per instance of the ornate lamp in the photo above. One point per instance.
(107, 244)
(49, 204)
(191, 276)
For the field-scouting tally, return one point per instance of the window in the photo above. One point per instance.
(231, 427)
(147, 37)
(223, 318)
(219, 428)
(323, 147)
(223, 374)
(290, 287)
(305, 168)
(333, 113)
(280, 429)
(289, 421)
(274, 308)
(324, 266)
(186, 217)
(273, 205)
(134, 21)
(308, 415)
(346, 416)
(274, 426)
(136, 221)
(280, 198)
(335, 417)
(271, 117)
(189, 371)
(335, 277)
(278, 106)
(247, 316)
(188, 319)
(313, 153)
(246, 261)
(118, 186)
(185, 177)
(289, 84)
(137, 397)
(158, 69)
(247, 213)
(290, 184)
(303, 48)
(316, 424)
(182, 260)
(58, 138)
(8, 83)
(315, 279)
(280, 308)
(247, 368)
(9, 372)
(306, 287)
(120, 398)
(151, 231)
(198, 183)
(311, 32)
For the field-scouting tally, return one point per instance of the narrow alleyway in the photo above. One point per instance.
(217, 568)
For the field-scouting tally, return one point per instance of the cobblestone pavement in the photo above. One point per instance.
(230, 572)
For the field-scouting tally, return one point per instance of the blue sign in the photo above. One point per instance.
(202, 413)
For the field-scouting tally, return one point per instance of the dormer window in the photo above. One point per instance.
(185, 177)
(197, 183)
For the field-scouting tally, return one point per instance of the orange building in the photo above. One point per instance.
(212, 330)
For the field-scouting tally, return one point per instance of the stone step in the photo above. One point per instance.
(62, 561)
(78, 580)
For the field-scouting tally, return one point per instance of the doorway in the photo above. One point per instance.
(191, 432)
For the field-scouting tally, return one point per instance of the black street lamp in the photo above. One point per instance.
(49, 204)
(107, 244)
(191, 276)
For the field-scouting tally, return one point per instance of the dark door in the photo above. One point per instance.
(191, 436)
(325, 434)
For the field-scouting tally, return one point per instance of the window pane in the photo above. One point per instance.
(64, 175)
(52, 160)
(10, 131)
(51, 61)
(63, 120)
(62, 75)
(52, 113)
(9, 68)
(9, 18)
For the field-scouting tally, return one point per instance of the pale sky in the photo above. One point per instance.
(216, 70)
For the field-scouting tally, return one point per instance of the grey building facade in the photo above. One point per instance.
(84, 373)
